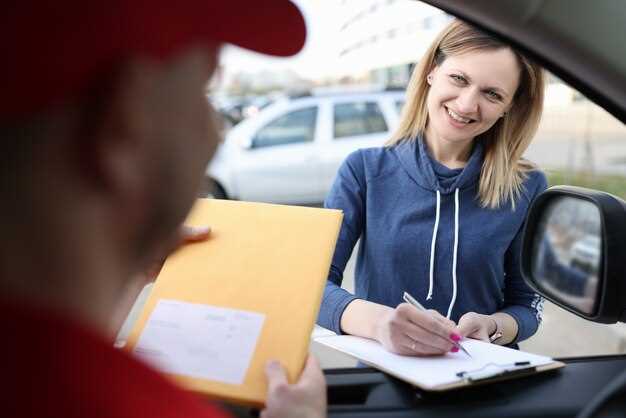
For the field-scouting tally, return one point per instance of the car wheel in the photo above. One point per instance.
(212, 190)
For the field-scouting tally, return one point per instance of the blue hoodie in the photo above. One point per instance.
(389, 198)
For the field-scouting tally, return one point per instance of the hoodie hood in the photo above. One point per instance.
(414, 159)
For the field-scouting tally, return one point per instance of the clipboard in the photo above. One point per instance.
(257, 283)
(490, 363)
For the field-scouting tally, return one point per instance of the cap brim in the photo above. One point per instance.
(274, 27)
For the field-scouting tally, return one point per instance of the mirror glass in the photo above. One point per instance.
(567, 253)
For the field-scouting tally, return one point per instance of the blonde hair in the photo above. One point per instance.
(504, 170)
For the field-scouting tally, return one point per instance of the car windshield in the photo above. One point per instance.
(287, 138)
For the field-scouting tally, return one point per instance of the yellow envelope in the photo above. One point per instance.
(263, 258)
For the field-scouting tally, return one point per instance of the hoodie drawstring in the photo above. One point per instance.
(456, 246)
(432, 249)
(454, 256)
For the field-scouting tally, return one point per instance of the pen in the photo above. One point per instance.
(411, 301)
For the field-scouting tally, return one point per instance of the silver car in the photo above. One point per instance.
(291, 150)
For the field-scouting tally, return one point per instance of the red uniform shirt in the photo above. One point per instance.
(52, 367)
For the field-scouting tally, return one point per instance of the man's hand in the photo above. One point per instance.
(185, 235)
(304, 399)
(477, 326)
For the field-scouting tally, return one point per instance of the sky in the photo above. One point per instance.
(319, 57)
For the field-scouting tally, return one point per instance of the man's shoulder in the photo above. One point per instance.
(73, 372)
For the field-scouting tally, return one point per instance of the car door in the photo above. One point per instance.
(279, 165)
(356, 122)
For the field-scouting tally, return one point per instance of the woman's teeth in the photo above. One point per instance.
(457, 117)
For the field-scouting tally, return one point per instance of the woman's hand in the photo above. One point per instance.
(304, 399)
(409, 331)
(477, 326)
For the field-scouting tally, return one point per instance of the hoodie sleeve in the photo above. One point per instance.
(348, 195)
(520, 301)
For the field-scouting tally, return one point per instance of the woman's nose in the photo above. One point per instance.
(467, 102)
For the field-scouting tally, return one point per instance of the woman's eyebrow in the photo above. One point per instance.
(469, 79)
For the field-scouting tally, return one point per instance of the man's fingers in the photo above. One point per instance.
(185, 235)
(189, 234)
(276, 376)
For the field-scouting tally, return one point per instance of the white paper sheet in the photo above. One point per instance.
(430, 372)
(200, 341)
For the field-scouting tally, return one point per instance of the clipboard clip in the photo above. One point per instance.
(491, 370)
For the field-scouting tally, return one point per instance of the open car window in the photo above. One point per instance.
(580, 144)
(377, 43)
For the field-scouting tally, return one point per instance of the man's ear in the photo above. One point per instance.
(117, 152)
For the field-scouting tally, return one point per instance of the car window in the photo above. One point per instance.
(578, 143)
(292, 128)
(358, 118)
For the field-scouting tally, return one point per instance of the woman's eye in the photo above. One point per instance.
(458, 78)
(493, 95)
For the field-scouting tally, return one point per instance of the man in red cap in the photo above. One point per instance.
(106, 133)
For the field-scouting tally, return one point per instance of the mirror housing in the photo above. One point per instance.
(602, 295)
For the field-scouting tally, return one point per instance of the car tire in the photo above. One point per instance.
(212, 190)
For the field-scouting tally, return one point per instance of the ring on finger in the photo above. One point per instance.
(413, 346)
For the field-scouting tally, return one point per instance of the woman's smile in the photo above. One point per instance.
(457, 119)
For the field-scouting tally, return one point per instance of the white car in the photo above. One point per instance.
(586, 253)
(291, 150)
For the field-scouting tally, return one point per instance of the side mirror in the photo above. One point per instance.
(574, 252)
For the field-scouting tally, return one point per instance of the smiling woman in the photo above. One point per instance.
(479, 79)
(439, 210)
(466, 98)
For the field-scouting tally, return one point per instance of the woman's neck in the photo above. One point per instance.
(452, 154)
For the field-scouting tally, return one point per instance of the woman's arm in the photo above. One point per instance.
(483, 327)
(521, 314)
(348, 195)
(363, 318)
(521, 303)
(404, 330)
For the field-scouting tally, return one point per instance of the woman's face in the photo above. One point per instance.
(469, 93)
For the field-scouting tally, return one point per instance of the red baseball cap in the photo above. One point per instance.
(55, 50)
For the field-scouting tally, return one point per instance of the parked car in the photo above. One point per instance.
(289, 152)
(586, 253)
